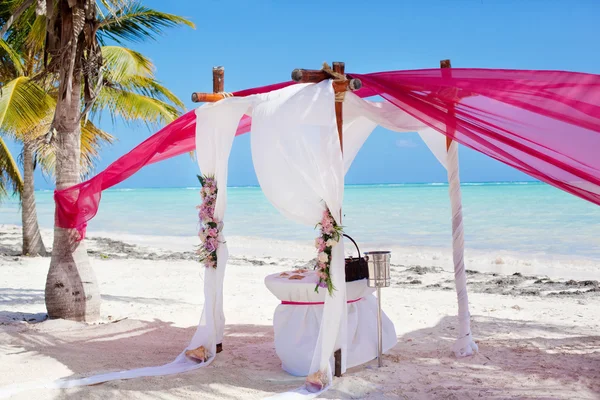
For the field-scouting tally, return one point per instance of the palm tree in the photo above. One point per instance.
(24, 106)
(88, 80)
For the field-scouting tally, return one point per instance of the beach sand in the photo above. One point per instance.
(537, 324)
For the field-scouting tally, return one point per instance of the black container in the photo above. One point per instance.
(356, 267)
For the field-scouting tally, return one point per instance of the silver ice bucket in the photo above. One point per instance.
(379, 268)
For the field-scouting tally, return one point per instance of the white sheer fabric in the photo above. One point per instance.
(296, 326)
(216, 125)
(464, 346)
(359, 112)
(215, 129)
(298, 163)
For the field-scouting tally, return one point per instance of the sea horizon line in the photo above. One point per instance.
(391, 184)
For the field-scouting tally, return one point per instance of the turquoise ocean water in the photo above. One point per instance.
(521, 217)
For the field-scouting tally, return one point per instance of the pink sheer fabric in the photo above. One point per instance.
(78, 204)
(544, 123)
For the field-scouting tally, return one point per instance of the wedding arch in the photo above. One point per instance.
(543, 123)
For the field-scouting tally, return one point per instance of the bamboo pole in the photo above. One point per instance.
(339, 67)
(218, 89)
(340, 85)
(446, 64)
(464, 346)
(218, 79)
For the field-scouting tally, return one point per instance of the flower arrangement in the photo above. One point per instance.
(209, 226)
(331, 233)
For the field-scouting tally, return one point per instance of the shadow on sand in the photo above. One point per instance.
(422, 365)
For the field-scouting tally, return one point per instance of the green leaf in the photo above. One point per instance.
(10, 176)
(12, 55)
(137, 23)
(123, 64)
(131, 106)
(23, 105)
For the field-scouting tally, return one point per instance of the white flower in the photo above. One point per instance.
(331, 243)
(323, 257)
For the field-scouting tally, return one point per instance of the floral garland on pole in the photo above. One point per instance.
(209, 226)
(331, 233)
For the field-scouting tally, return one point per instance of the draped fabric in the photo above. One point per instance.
(544, 123)
(216, 127)
(298, 162)
(78, 204)
(296, 322)
(465, 345)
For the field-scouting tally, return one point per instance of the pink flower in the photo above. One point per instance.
(327, 226)
(213, 232)
(320, 244)
(322, 284)
(327, 218)
(211, 244)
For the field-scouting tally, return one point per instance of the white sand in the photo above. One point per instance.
(536, 346)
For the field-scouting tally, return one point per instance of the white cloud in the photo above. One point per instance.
(405, 143)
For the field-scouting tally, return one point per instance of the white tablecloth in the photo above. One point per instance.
(297, 326)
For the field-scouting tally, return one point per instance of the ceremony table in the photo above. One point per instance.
(297, 320)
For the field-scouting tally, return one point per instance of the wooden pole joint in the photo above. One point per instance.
(341, 83)
(218, 88)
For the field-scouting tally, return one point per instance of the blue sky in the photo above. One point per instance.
(261, 42)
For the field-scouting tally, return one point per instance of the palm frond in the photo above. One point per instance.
(14, 15)
(137, 23)
(132, 71)
(23, 104)
(37, 35)
(152, 88)
(6, 51)
(121, 63)
(131, 106)
(10, 176)
(106, 8)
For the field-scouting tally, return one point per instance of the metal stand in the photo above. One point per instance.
(379, 329)
(378, 263)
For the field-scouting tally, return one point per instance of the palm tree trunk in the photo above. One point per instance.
(71, 286)
(33, 245)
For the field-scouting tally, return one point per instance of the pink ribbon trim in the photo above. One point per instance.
(308, 303)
